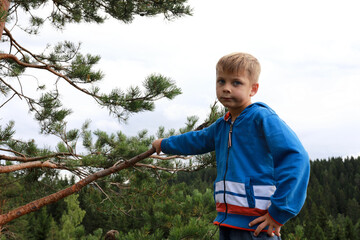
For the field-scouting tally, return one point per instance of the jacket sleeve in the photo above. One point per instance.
(190, 143)
(291, 169)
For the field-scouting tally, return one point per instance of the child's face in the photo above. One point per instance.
(234, 91)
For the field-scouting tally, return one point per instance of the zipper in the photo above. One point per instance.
(230, 135)
(226, 169)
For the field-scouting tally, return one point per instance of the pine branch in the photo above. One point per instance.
(12, 151)
(28, 165)
(48, 68)
(31, 159)
(169, 157)
(79, 71)
(37, 204)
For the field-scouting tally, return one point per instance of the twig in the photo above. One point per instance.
(31, 159)
(169, 157)
(12, 151)
(7, 100)
(162, 168)
(37, 164)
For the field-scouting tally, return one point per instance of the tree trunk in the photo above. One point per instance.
(37, 204)
(4, 7)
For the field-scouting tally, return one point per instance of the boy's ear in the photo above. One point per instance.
(254, 89)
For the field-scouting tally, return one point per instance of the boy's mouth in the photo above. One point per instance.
(226, 98)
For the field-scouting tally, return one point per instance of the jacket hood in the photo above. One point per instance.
(248, 109)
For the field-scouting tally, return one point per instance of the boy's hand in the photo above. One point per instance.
(266, 220)
(157, 145)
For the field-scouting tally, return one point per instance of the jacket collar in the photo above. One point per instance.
(227, 116)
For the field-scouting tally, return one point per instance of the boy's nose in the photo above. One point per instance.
(226, 88)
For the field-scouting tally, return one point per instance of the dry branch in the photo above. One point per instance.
(169, 157)
(36, 164)
(31, 159)
(162, 168)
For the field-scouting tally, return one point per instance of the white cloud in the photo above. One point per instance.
(309, 51)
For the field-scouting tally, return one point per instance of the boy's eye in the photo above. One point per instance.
(221, 81)
(236, 83)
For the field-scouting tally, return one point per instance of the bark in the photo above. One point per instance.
(37, 164)
(37, 204)
(4, 7)
(31, 159)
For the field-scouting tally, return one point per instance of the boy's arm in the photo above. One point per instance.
(291, 169)
(190, 143)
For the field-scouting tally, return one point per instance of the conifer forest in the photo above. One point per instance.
(162, 205)
(115, 187)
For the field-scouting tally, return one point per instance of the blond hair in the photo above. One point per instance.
(240, 62)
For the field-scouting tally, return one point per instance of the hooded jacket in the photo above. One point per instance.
(261, 166)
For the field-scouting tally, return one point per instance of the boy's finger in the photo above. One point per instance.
(259, 228)
(256, 221)
(277, 231)
(270, 231)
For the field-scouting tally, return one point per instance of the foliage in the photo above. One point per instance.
(36, 170)
(65, 61)
(71, 227)
(332, 209)
(157, 199)
(156, 204)
(97, 11)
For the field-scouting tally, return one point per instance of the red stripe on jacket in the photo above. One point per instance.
(233, 209)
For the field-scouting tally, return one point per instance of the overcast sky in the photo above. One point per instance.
(309, 52)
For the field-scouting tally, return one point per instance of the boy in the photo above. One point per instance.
(262, 168)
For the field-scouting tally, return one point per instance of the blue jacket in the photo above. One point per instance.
(261, 166)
